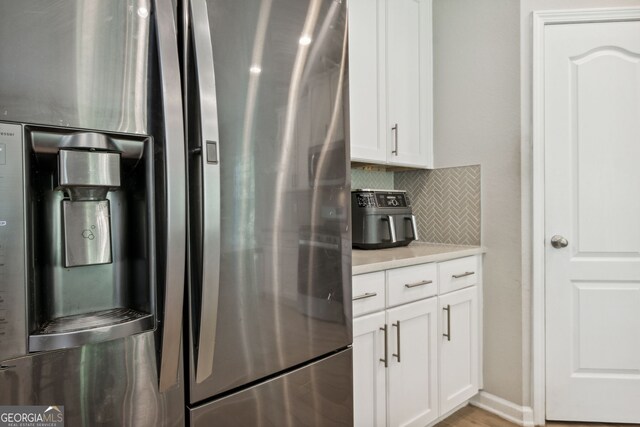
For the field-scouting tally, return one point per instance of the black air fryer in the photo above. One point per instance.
(382, 219)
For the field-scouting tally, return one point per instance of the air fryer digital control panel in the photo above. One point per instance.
(12, 244)
(380, 199)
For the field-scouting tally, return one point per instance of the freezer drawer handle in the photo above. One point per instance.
(413, 285)
(365, 295)
(465, 274)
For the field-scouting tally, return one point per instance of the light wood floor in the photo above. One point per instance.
(474, 417)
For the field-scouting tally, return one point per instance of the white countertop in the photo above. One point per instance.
(367, 261)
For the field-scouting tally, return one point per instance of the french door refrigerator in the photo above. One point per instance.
(269, 265)
(153, 151)
(92, 212)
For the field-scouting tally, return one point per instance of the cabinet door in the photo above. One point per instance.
(413, 385)
(369, 383)
(366, 75)
(458, 347)
(409, 82)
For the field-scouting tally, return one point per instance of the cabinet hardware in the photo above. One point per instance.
(394, 129)
(365, 295)
(413, 285)
(386, 346)
(448, 310)
(397, 325)
(465, 274)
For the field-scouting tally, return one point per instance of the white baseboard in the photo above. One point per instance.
(521, 415)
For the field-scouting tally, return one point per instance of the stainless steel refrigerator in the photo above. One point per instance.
(155, 150)
(269, 244)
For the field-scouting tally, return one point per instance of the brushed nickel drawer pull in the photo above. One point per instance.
(413, 285)
(386, 346)
(365, 295)
(397, 325)
(448, 310)
(394, 129)
(465, 274)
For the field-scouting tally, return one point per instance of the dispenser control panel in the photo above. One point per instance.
(13, 311)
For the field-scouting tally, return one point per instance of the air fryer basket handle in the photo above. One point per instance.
(414, 226)
(392, 227)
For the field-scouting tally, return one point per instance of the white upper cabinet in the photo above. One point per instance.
(391, 82)
(366, 74)
(409, 82)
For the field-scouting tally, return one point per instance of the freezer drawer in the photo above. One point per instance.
(319, 394)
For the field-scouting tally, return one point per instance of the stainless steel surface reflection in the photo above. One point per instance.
(103, 48)
(114, 383)
(88, 169)
(318, 395)
(280, 67)
(87, 233)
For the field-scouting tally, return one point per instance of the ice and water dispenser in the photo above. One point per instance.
(76, 237)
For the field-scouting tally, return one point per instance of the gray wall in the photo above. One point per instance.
(477, 121)
(482, 115)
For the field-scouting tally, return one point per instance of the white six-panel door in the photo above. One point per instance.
(592, 199)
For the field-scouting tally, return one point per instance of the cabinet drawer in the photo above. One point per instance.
(458, 273)
(412, 283)
(368, 293)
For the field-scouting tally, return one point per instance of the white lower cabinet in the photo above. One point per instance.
(458, 348)
(412, 387)
(418, 360)
(369, 373)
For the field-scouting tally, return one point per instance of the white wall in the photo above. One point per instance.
(477, 121)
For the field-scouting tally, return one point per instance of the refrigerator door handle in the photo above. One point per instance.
(175, 181)
(208, 111)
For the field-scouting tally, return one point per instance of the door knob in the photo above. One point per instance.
(559, 242)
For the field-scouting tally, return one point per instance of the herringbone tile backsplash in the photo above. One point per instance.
(376, 180)
(446, 203)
